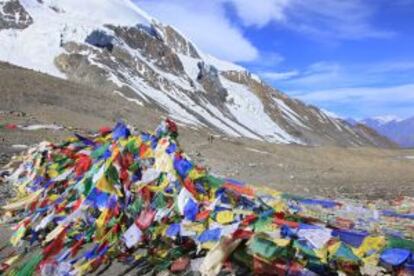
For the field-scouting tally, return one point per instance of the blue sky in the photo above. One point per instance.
(354, 58)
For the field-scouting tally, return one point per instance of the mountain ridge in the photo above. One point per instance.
(139, 58)
(401, 131)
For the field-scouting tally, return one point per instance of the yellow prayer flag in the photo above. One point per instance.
(322, 253)
(107, 187)
(55, 232)
(163, 162)
(101, 223)
(333, 248)
(208, 245)
(279, 206)
(159, 188)
(370, 244)
(84, 268)
(22, 203)
(12, 260)
(225, 217)
(123, 142)
(53, 173)
(18, 235)
(196, 174)
(196, 227)
(282, 242)
(371, 260)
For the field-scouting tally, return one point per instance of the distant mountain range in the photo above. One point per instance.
(398, 130)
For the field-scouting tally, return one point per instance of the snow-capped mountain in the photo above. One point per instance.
(379, 121)
(115, 46)
(397, 130)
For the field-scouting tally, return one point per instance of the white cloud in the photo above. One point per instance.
(361, 90)
(275, 76)
(364, 101)
(321, 74)
(393, 66)
(260, 13)
(396, 94)
(350, 19)
(206, 24)
(270, 59)
(329, 75)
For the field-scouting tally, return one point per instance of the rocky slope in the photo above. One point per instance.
(30, 99)
(116, 47)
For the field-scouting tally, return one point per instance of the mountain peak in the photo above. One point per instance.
(394, 128)
(386, 119)
(118, 12)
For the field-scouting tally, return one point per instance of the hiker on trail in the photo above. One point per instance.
(210, 139)
(61, 40)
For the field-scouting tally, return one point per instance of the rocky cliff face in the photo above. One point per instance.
(155, 66)
(13, 15)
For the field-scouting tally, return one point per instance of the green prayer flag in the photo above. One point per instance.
(394, 242)
(345, 253)
(135, 166)
(87, 186)
(99, 151)
(112, 174)
(131, 146)
(213, 181)
(263, 247)
(30, 266)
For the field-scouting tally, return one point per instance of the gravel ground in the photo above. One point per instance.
(365, 173)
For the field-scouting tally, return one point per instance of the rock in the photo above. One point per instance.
(13, 15)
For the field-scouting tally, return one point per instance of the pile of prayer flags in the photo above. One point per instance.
(137, 198)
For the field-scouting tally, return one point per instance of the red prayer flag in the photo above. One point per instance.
(180, 264)
(244, 190)
(83, 163)
(75, 248)
(55, 246)
(145, 219)
(105, 130)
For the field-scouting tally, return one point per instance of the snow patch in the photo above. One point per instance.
(20, 147)
(98, 12)
(288, 113)
(382, 120)
(173, 108)
(256, 150)
(248, 110)
(38, 127)
(331, 114)
(136, 101)
(221, 65)
(49, 29)
(190, 65)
